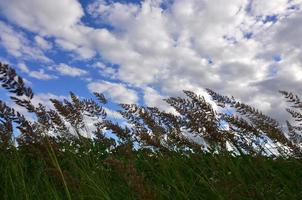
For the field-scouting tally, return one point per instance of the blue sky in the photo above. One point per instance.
(143, 51)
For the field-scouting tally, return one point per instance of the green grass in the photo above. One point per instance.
(32, 173)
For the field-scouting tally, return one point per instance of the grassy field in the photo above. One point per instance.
(94, 174)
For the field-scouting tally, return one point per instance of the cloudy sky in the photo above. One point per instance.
(143, 51)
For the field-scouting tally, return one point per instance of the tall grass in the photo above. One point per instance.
(168, 176)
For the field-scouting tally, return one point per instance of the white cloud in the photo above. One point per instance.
(23, 68)
(43, 98)
(16, 44)
(117, 92)
(259, 7)
(41, 42)
(70, 71)
(153, 99)
(106, 70)
(46, 17)
(40, 74)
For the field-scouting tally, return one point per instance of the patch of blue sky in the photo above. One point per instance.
(270, 19)
(3, 19)
(4, 55)
(126, 1)
(248, 35)
(277, 58)
(210, 61)
(61, 86)
(4, 95)
(166, 4)
(273, 71)
(86, 19)
(60, 55)
(248, 8)
(140, 95)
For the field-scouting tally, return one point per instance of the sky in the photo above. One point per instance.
(144, 51)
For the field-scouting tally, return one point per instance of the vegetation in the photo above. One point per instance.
(200, 153)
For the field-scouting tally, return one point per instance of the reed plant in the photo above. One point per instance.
(243, 154)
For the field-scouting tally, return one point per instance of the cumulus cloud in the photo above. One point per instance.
(70, 71)
(119, 93)
(40, 74)
(16, 43)
(153, 99)
(105, 70)
(47, 17)
(41, 42)
(259, 7)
